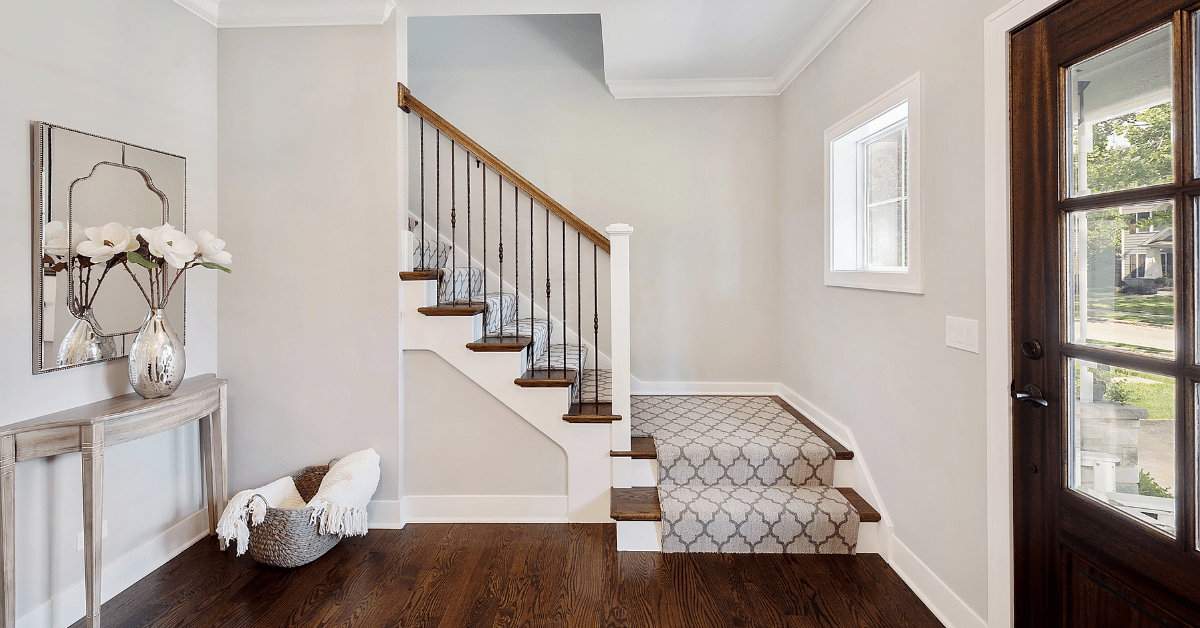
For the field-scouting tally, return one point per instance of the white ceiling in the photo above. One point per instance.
(652, 48)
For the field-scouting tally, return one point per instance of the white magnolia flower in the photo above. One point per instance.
(54, 239)
(171, 244)
(103, 243)
(212, 249)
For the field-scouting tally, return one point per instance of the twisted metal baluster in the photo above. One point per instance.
(470, 260)
(500, 195)
(437, 231)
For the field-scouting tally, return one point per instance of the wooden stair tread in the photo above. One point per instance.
(419, 275)
(640, 448)
(546, 378)
(591, 413)
(840, 452)
(509, 344)
(453, 310)
(866, 512)
(639, 503)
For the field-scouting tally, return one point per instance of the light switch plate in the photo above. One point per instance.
(962, 333)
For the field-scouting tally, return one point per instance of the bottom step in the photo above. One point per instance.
(639, 503)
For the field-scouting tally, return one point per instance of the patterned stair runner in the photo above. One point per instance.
(741, 475)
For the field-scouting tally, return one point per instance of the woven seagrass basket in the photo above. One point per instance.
(286, 538)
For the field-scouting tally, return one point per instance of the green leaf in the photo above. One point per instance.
(141, 261)
(215, 266)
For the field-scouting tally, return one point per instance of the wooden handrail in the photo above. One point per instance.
(409, 104)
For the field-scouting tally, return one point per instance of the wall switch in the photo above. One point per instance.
(103, 535)
(962, 333)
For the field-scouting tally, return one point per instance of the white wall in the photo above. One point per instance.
(695, 177)
(142, 71)
(462, 441)
(878, 361)
(308, 188)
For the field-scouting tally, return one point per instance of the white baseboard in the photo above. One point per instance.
(68, 607)
(485, 508)
(385, 514)
(941, 599)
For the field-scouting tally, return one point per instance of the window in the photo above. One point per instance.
(1137, 265)
(873, 212)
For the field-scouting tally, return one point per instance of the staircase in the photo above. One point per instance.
(532, 304)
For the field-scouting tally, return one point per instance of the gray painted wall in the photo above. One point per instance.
(459, 440)
(308, 189)
(695, 177)
(142, 71)
(871, 359)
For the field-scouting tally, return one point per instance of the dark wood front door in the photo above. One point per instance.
(1104, 357)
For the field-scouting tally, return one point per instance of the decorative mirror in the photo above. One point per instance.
(87, 311)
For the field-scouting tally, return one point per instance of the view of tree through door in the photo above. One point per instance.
(1104, 315)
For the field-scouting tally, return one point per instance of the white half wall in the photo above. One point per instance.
(142, 71)
(878, 361)
(310, 318)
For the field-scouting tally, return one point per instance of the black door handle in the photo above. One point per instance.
(1030, 394)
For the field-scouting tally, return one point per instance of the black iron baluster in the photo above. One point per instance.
(532, 293)
(548, 310)
(517, 268)
(453, 240)
(500, 195)
(579, 304)
(422, 234)
(596, 326)
(437, 230)
(564, 300)
(470, 259)
(485, 251)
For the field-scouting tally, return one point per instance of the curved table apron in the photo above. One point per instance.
(88, 430)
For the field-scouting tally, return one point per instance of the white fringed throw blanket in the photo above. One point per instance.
(340, 505)
(281, 493)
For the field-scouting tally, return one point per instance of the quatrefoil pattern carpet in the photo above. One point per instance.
(740, 474)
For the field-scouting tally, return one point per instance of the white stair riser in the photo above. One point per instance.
(643, 473)
(589, 470)
(843, 473)
(639, 536)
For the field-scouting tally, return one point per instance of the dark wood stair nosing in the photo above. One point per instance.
(591, 413)
(641, 448)
(840, 452)
(639, 503)
(495, 344)
(419, 275)
(866, 512)
(452, 310)
(546, 378)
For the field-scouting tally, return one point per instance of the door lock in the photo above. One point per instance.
(1030, 394)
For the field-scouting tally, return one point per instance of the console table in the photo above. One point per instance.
(88, 430)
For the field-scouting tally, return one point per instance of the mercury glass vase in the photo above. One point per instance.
(156, 358)
(84, 343)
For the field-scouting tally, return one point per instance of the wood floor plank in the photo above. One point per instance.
(517, 575)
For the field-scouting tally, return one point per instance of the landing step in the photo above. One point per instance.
(840, 452)
(591, 413)
(419, 275)
(510, 344)
(866, 512)
(641, 448)
(453, 310)
(639, 503)
(547, 378)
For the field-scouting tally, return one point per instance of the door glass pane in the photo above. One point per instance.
(1123, 295)
(1119, 116)
(1123, 441)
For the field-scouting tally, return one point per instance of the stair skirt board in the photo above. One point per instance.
(485, 509)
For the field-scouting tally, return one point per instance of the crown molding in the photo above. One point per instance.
(269, 13)
(835, 20)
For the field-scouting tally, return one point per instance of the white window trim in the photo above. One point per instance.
(911, 281)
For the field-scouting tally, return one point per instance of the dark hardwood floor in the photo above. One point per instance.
(528, 575)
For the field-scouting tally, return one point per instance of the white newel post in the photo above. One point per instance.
(619, 259)
(407, 250)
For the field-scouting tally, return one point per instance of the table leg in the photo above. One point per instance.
(220, 440)
(8, 522)
(92, 447)
(210, 472)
